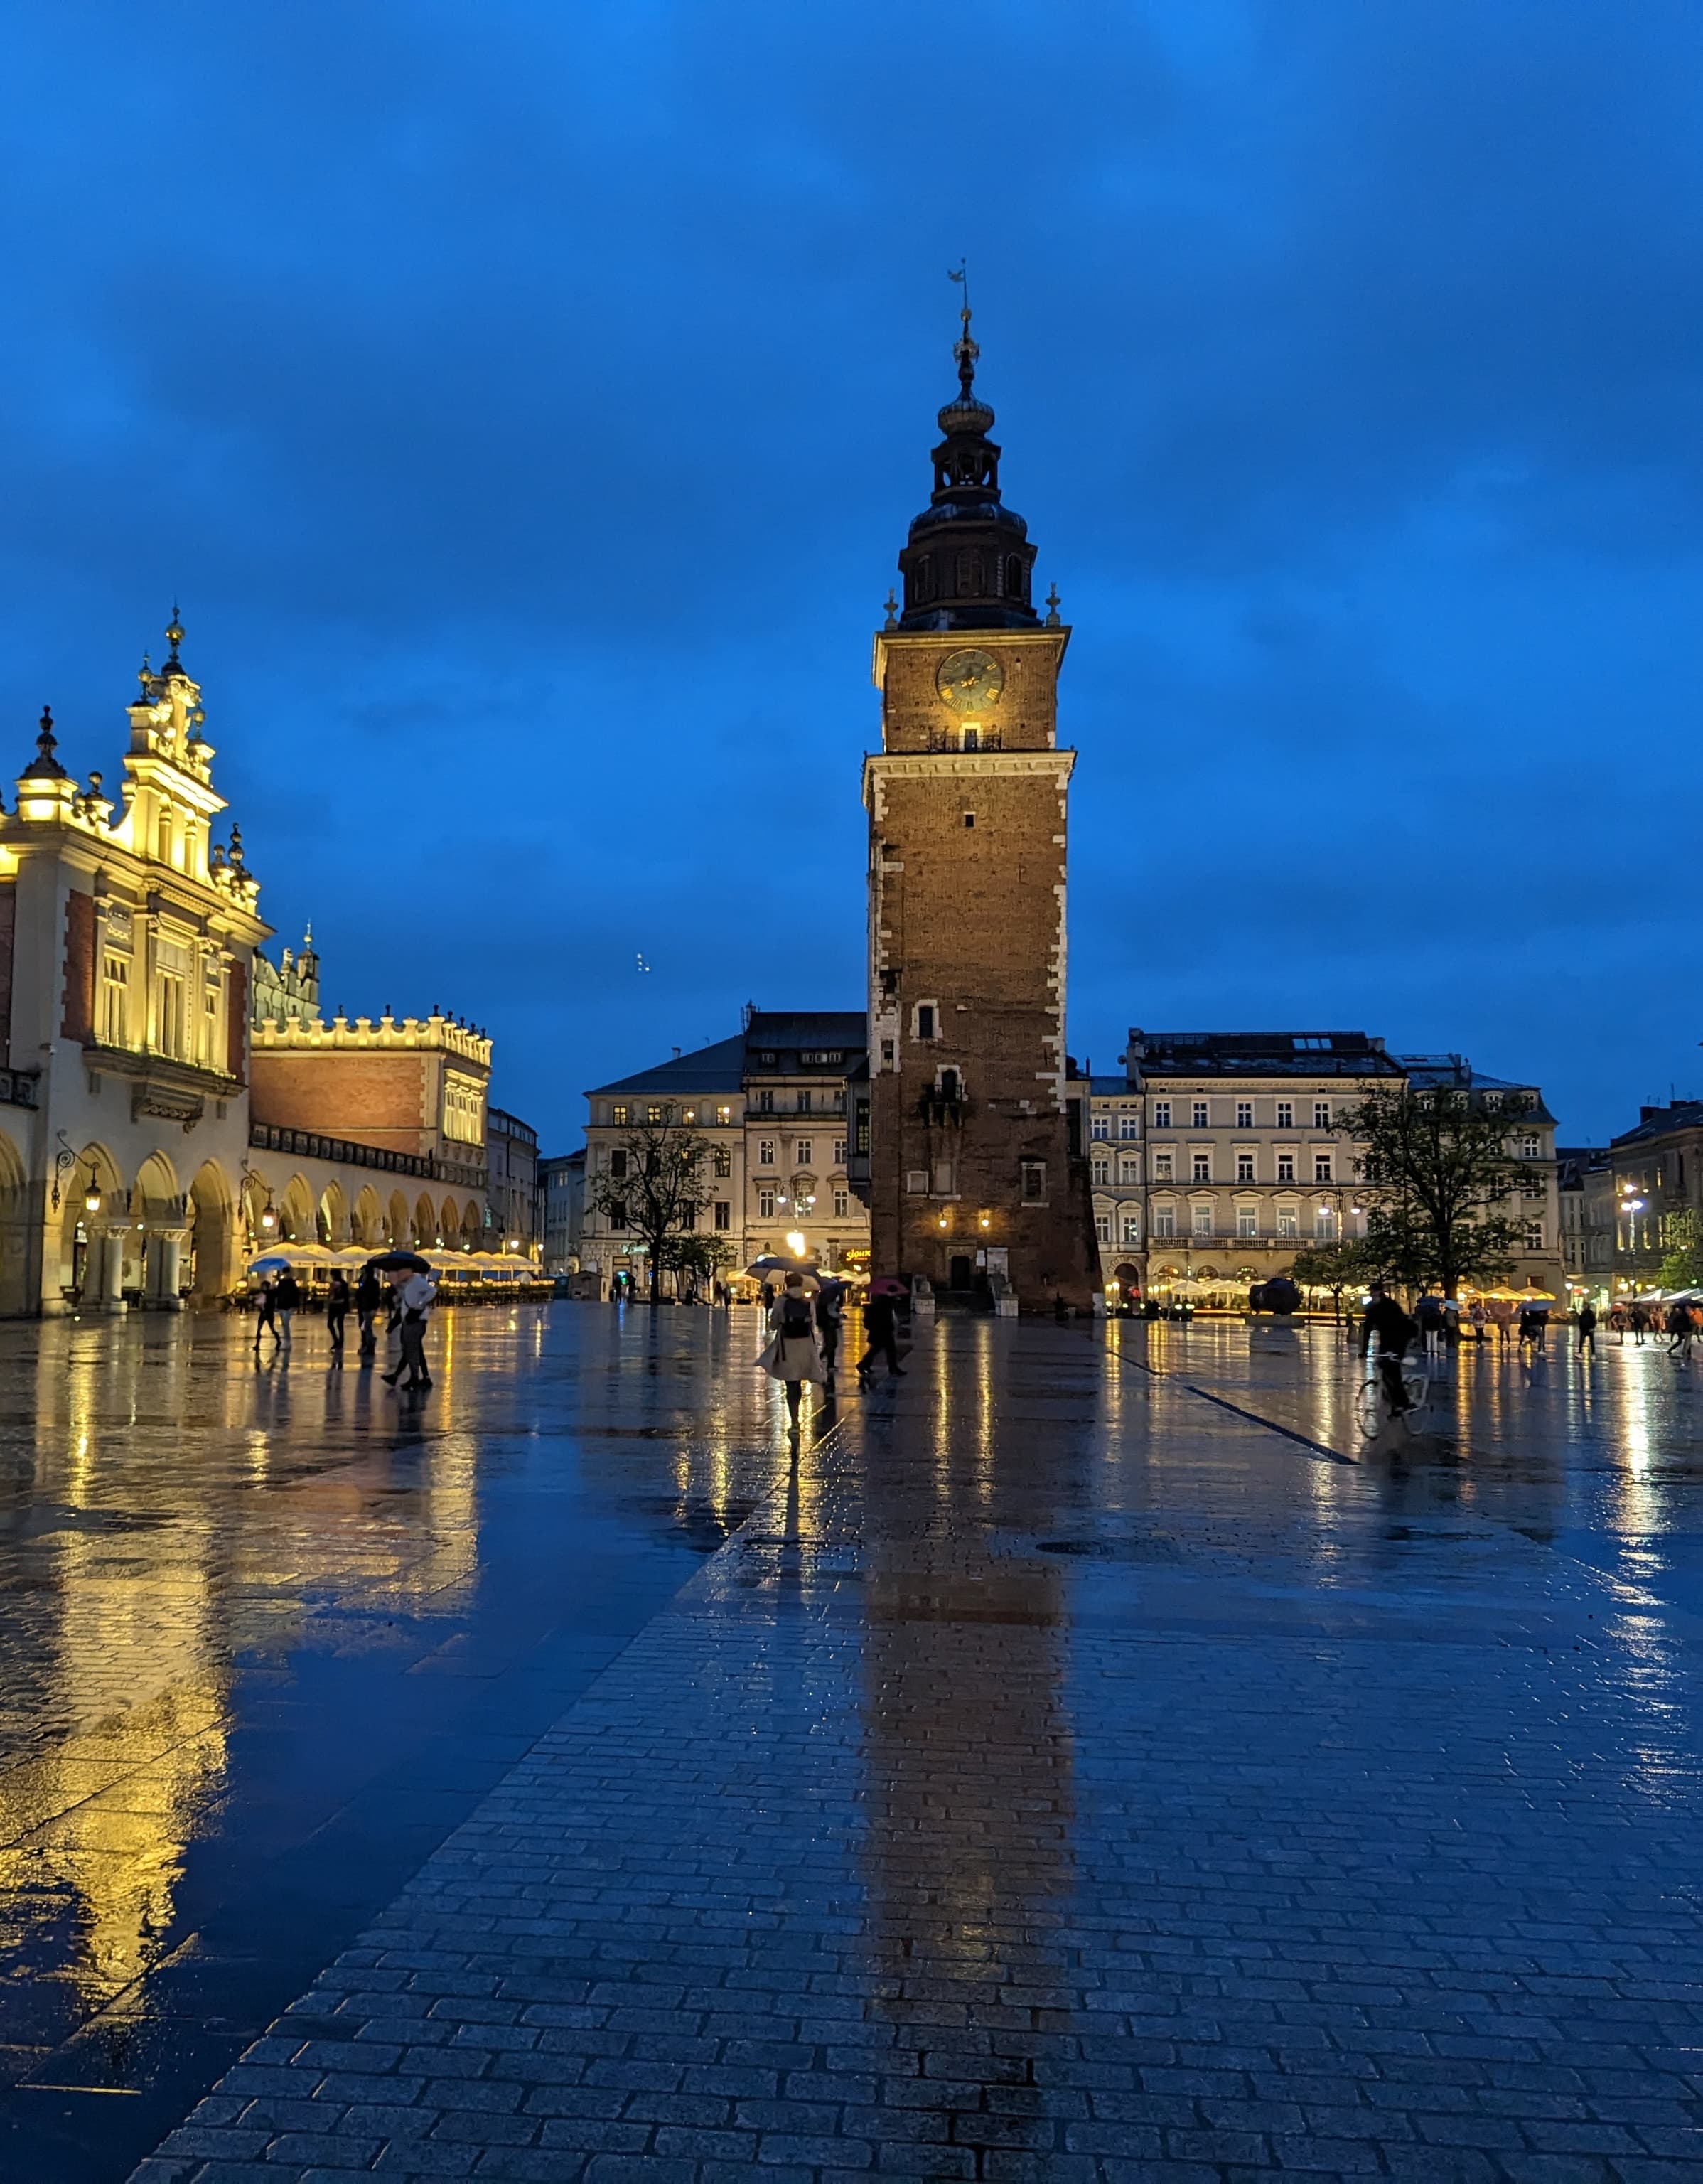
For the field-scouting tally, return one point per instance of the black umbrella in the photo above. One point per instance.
(407, 1262)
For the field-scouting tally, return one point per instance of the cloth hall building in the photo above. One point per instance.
(169, 1100)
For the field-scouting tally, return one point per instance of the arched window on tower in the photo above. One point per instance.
(1014, 578)
(922, 581)
(969, 574)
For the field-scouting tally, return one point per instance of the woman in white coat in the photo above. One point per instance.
(792, 1353)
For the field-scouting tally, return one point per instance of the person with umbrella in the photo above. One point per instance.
(880, 1325)
(336, 1311)
(414, 1292)
(791, 1354)
(830, 1307)
(369, 1297)
(288, 1297)
(266, 1313)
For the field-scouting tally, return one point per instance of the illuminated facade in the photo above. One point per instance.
(170, 1099)
(973, 1178)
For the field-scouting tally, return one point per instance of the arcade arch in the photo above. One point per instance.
(92, 1236)
(214, 1246)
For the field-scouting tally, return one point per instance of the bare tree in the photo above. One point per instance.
(655, 1188)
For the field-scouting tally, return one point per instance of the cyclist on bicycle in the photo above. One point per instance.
(1395, 1330)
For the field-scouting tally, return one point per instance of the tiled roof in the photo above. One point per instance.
(717, 1068)
(779, 1031)
(1259, 1053)
(1661, 1122)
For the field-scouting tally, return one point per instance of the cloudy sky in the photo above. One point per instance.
(526, 401)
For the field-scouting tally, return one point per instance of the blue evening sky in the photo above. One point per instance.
(526, 400)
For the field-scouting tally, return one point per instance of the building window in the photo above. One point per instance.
(803, 1152)
(1247, 1220)
(464, 1109)
(1165, 1220)
(1322, 1167)
(765, 1152)
(617, 1215)
(724, 1114)
(1034, 1173)
(1129, 1125)
(804, 1101)
(1286, 1114)
(617, 1165)
(1201, 1166)
(925, 1020)
(690, 1115)
(1201, 1219)
(1244, 1114)
(721, 1162)
(170, 1014)
(1322, 1114)
(842, 1204)
(1102, 1227)
(1529, 1146)
(1200, 1114)
(115, 1002)
(840, 1152)
(1102, 1171)
(688, 1216)
(765, 1205)
(1285, 1167)
(1128, 1169)
(618, 1115)
(1100, 1126)
(1163, 1166)
(766, 1103)
(1324, 1223)
(1244, 1168)
(1161, 1114)
(724, 1213)
(1534, 1235)
(1132, 1228)
(1288, 1224)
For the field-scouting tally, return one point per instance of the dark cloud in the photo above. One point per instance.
(528, 404)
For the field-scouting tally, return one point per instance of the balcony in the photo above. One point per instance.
(952, 739)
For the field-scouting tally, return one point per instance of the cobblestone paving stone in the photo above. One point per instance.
(1056, 1778)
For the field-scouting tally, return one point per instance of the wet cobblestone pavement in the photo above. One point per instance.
(1081, 1760)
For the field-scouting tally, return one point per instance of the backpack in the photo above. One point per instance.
(795, 1315)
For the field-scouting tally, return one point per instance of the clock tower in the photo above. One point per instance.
(972, 1167)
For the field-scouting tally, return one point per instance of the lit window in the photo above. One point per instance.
(1163, 1166)
(724, 1114)
(1244, 1114)
(170, 1039)
(618, 1115)
(1132, 1228)
(464, 1109)
(115, 1001)
(1244, 1168)
(653, 1113)
(721, 1162)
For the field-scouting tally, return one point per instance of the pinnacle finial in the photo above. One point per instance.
(174, 635)
(1052, 620)
(892, 609)
(963, 349)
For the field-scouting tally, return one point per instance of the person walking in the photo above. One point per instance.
(266, 1315)
(1477, 1316)
(880, 1324)
(791, 1354)
(1395, 1331)
(1587, 1327)
(1429, 1313)
(1679, 1332)
(830, 1310)
(289, 1294)
(369, 1297)
(415, 1294)
(1640, 1322)
(336, 1311)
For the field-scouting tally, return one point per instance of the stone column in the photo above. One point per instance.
(103, 1284)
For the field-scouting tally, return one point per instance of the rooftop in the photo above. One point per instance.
(1654, 1123)
(1257, 1054)
(786, 1033)
(716, 1068)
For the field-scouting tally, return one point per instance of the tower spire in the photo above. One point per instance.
(963, 349)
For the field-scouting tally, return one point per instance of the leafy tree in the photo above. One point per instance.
(1682, 1264)
(1434, 1167)
(700, 1255)
(654, 1187)
(1344, 1265)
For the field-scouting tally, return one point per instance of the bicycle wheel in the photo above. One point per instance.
(1368, 1414)
(1416, 1386)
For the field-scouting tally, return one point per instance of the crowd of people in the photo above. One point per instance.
(805, 1316)
(404, 1295)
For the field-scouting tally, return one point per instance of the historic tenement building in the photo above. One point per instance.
(774, 1104)
(170, 1100)
(971, 1166)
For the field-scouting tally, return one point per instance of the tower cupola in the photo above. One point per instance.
(967, 563)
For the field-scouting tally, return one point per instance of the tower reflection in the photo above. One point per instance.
(967, 1736)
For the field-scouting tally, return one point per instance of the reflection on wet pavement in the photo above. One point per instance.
(269, 1636)
(1060, 1774)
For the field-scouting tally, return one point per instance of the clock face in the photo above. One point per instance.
(970, 680)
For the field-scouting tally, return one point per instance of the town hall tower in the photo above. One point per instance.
(972, 1167)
